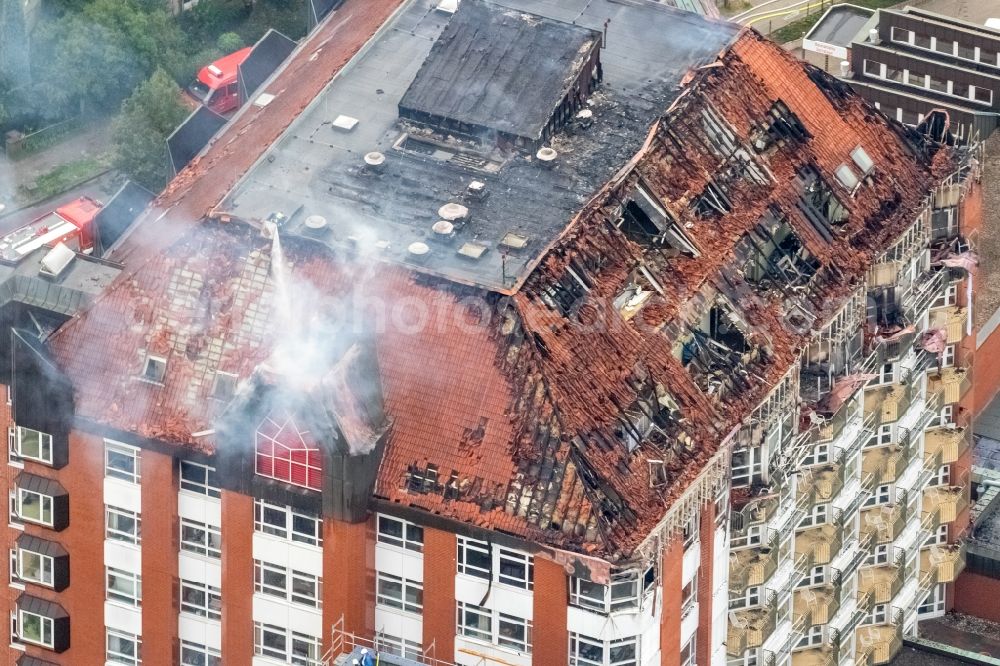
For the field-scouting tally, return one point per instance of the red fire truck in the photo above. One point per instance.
(216, 86)
(72, 225)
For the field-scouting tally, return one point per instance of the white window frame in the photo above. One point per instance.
(116, 451)
(881, 496)
(158, 365)
(294, 587)
(289, 639)
(401, 647)
(940, 536)
(819, 454)
(689, 653)
(818, 515)
(934, 602)
(481, 548)
(208, 544)
(46, 565)
(879, 555)
(689, 596)
(606, 647)
(815, 576)
(878, 615)
(205, 607)
(116, 534)
(410, 597)
(941, 477)
(289, 531)
(208, 656)
(744, 474)
(881, 437)
(44, 441)
(202, 485)
(124, 598)
(494, 633)
(43, 500)
(116, 656)
(749, 599)
(625, 593)
(45, 622)
(507, 565)
(949, 296)
(399, 533)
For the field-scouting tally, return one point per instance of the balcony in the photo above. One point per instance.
(882, 581)
(884, 464)
(917, 300)
(949, 501)
(754, 566)
(888, 402)
(817, 605)
(822, 483)
(823, 655)
(952, 319)
(951, 443)
(944, 562)
(884, 523)
(749, 627)
(819, 543)
(879, 643)
(950, 383)
(755, 510)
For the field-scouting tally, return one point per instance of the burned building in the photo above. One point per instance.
(665, 367)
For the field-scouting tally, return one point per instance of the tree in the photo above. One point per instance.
(229, 42)
(140, 131)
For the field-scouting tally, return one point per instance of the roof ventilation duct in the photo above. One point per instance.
(56, 261)
(374, 161)
(873, 36)
(845, 69)
(547, 156)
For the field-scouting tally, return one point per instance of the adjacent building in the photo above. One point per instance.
(588, 333)
(910, 61)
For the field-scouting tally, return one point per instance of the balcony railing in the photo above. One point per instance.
(917, 300)
(880, 643)
(932, 463)
(951, 443)
(754, 566)
(950, 501)
(821, 655)
(818, 605)
(749, 627)
(889, 402)
(945, 561)
(885, 523)
(820, 543)
(883, 581)
(950, 383)
(952, 319)
(756, 511)
(822, 483)
(886, 463)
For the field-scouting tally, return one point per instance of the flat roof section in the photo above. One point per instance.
(499, 68)
(840, 25)
(318, 169)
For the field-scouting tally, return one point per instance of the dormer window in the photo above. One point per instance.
(154, 369)
(646, 222)
(717, 351)
(224, 386)
(818, 202)
(777, 256)
(287, 453)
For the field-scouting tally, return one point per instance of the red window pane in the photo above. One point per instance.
(286, 453)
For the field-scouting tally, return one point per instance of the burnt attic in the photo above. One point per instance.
(567, 390)
(503, 76)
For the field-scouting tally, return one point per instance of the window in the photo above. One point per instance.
(934, 602)
(816, 576)
(623, 594)
(224, 386)
(689, 655)
(950, 294)
(34, 445)
(294, 586)
(691, 533)
(937, 85)
(154, 369)
(943, 418)
(873, 68)
(819, 454)
(862, 160)
(901, 35)
(817, 516)
(980, 94)
(878, 615)
(199, 479)
(587, 651)
(948, 356)
(845, 176)
(400, 647)
(880, 555)
(944, 46)
(746, 466)
(285, 645)
(501, 629)
(940, 536)
(396, 592)
(474, 558)
(34, 507)
(287, 523)
(881, 437)
(893, 74)
(689, 596)
(121, 461)
(287, 453)
(515, 569)
(941, 477)
(193, 654)
(124, 587)
(122, 525)
(123, 648)
(886, 373)
(749, 599)
(35, 628)
(401, 533)
(812, 636)
(201, 599)
(965, 51)
(201, 538)
(34, 567)
(879, 497)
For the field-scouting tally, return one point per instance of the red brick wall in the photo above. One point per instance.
(237, 578)
(349, 588)
(160, 542)
(439, 593)
(670, 624)
(551, 598)
(978, 595)
(706, 584)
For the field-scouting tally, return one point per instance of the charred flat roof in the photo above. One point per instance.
(317, 169)
(499, 68)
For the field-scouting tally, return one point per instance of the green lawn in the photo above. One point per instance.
(62, 178)
(799, 27)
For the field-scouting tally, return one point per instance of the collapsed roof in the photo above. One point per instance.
(577, 411)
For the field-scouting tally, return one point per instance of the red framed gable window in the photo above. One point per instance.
(286, 453)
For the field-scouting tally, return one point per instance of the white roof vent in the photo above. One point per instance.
(315, 222)
(374, 159)
(845, 68)
(263, 100)
(443, 227)
(447, 6)
(546, 155)
(345, 123)
(477, 189)
(418, 249)
(57, 261)
(452, 212)
(873, 36)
